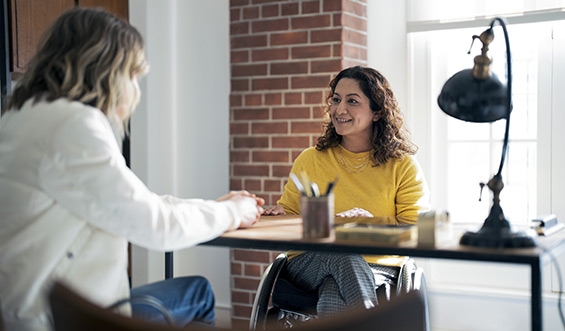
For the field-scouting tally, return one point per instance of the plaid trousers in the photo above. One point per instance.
(343, 281)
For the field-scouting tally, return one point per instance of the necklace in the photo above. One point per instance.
(349, 166)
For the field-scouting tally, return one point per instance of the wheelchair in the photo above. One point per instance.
(280, 304)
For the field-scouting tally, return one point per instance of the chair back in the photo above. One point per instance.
(401, 313)
(72, 312)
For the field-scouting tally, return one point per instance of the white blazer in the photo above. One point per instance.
(69, 205)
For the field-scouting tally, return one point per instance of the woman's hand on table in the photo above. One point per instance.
(274, 210)
(249, 204)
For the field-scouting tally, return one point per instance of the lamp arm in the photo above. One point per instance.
(502, 23)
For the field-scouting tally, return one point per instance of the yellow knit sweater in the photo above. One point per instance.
(396, 188)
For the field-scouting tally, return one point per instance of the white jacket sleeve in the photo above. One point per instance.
(86, 173)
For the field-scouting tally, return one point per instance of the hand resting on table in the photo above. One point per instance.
(274, 210)
(248, 203)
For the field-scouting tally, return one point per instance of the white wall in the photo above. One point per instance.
(386, 43)
(180, 131)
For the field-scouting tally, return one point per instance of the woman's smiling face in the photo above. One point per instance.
(350, 111)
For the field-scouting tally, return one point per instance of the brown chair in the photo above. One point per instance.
(72, 312)
(402, 313)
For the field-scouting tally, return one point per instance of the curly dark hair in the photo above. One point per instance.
(390, 138)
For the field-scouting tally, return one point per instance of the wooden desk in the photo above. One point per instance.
(282, 233)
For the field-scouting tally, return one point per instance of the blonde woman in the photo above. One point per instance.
(68, 202)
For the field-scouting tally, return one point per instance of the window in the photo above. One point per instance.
(465, 154)
(456, 156)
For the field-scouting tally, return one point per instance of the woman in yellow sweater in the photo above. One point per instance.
(366, 145)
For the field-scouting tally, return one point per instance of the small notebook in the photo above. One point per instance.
(376, 232)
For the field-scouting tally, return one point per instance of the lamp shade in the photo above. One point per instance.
(473, 99)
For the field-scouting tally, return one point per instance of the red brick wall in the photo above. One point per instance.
(283, 55)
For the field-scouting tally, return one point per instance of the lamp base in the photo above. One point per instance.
(496, 231)
(498, 239)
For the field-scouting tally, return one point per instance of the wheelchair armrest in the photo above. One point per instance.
(405, 281)
(412, 278)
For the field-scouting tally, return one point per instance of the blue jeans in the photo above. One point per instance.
(188, 299)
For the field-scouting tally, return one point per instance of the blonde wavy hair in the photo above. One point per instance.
(86, 55)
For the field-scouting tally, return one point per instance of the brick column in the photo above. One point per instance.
(283, 55)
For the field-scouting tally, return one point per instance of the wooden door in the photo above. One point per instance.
(30, 18)
(117, 7)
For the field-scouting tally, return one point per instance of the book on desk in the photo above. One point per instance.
(432, 228)
(373, 229)
(384, 233)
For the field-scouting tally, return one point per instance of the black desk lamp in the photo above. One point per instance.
(476, 95)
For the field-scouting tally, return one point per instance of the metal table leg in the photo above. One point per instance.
(536, 296)
(168, 265)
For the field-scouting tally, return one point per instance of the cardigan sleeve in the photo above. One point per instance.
(86, 174)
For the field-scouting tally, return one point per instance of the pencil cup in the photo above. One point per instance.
(317, 216)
